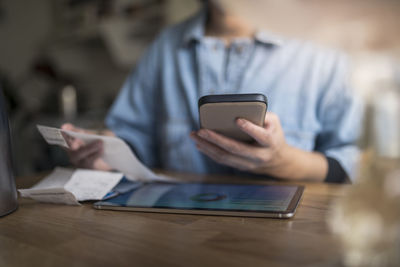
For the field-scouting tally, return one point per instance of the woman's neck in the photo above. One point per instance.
(226, 26)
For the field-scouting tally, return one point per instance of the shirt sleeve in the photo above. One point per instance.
(341, 114)
(336, 173)
(132, 117)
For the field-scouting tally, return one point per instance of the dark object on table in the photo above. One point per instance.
(8, 192)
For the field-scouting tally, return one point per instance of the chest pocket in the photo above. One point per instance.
(177, 147)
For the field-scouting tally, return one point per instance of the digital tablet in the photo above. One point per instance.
(279, 201)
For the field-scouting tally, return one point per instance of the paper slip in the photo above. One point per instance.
(116, 153)
(52, 136)
(65, 186)
(53, 195)
(92, 185)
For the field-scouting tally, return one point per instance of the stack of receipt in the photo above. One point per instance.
(67, 186)
(70, 186)
(117, 153)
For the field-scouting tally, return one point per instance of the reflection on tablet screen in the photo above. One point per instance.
(209, 196)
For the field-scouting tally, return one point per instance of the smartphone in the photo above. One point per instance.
(219, 113)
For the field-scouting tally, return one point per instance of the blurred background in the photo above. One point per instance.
(65, 60)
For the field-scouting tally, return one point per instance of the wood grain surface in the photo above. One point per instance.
(39, 234)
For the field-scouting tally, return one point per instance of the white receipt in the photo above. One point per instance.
(116, 153)
(52, 136)
(56, 179)
(92, 185)
(65, 186)
(52, 195)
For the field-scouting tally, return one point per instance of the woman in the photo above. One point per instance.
(309, 133)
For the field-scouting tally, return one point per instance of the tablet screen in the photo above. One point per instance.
(232, 197)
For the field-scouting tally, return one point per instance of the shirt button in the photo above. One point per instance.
(239, 49)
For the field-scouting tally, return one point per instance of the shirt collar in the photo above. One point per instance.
(195, 31)
(268, 39)
(195, 27)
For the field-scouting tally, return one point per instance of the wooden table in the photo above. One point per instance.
(40, 234)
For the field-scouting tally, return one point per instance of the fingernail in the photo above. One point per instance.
(203, 134)
(240, 122)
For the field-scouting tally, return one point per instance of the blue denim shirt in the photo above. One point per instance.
(306, 87)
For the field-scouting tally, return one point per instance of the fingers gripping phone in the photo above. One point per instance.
(219, 113)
